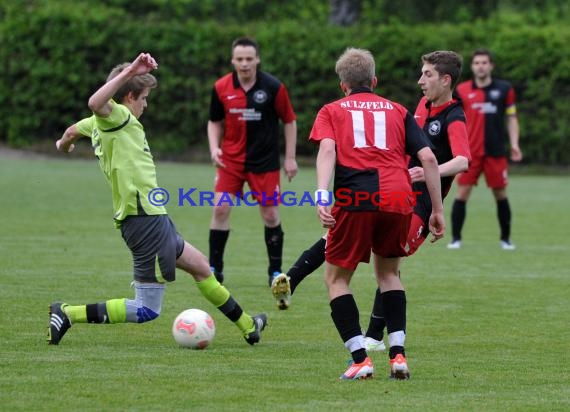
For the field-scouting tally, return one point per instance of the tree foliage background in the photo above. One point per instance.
(55, 53)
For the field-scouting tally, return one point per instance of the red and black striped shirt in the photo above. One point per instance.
(251, 120)
(485, 110)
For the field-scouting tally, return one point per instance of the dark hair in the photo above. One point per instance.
(136, 84)
(445, 62)
(482, 52)
(245, 41)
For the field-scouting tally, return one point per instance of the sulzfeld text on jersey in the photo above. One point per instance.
(353, 104)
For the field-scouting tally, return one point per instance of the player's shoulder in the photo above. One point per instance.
(456, 108)
(118, 118)
(268, 79)
(86, 125)
(386, 104)
(421, 108)
(464, 85)
(224, 80)
(502, 83)
(396, 105)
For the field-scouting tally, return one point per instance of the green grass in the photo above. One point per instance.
(487, 329)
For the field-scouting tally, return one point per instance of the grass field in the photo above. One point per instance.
(487, 329)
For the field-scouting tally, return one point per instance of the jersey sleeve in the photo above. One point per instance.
(458, 139)
(217, 110)
(118, 117)
(416, 140)
(85, 126)
(283, 105)
(421, 113)
(459, 91)
(510, 100)
(323, 127)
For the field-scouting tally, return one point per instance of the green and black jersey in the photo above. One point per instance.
(126, 161)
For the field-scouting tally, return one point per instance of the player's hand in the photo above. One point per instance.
(290, 168)
(417, 174)
(65, 147)
(216, 156)
(325, 216)
(436, 226)
(144, 63)
(516, 154)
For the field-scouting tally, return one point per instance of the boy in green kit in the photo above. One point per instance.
(119, 142)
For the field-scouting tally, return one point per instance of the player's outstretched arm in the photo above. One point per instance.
(456, 165)
(66, 142)
(99, 101)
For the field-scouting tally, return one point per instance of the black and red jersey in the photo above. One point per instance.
(251, 120)
(485, 110)
(445, 127)
(374, 137)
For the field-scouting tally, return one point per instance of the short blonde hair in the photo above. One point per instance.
(136, 84)
(356, 67)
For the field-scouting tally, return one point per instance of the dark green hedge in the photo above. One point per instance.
(54, 57)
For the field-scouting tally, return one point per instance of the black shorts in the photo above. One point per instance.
(151, 239)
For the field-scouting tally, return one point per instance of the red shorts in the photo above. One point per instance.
(264, 187)
(355, 234)
(494, 168)
(416, 235)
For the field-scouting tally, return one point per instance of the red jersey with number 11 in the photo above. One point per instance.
(374, 137)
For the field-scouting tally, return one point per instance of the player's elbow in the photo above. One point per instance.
(291, 125)
(70, 132)
(462, 164)
(427, 158)
(91, 104)
(327, 147)
(96, 105)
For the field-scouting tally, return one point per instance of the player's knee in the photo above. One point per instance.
(169, 272)
(148, 301)
(271, 217)
(221, 212)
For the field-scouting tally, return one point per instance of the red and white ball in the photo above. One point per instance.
(194, 328)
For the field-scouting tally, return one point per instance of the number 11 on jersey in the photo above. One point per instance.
(358, 128)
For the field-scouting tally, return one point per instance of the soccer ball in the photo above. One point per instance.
(193, 328)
